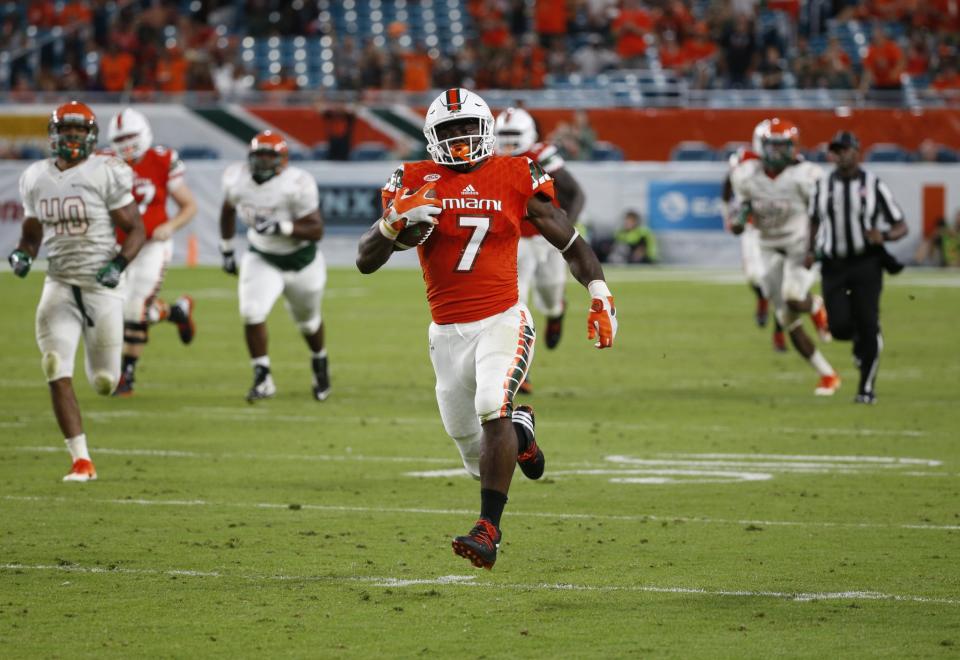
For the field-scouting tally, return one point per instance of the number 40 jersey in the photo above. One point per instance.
(74, 208)
(470, 260)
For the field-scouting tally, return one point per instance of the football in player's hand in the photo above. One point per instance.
(412, 236)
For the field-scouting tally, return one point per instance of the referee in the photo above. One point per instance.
(852, 214)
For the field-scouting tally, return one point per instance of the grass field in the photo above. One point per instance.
(699, 500)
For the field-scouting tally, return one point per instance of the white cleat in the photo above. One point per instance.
(81, 471)
(828, 385)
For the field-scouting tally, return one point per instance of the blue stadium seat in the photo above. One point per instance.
(369, 151)
(947, 155)
(692, 151)
(603, 150)
(31, 152)
(886, 152)
(320, 151)
(198, 152)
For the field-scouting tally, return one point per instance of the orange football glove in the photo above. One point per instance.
(410, 209)
(602, 319)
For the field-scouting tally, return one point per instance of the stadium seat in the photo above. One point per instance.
(947, 155)
(603, 150)
(886, 152)
(692, 151)
(198, 152)
(369, 151)
(320, 151)
(731, 148)
(30, 152)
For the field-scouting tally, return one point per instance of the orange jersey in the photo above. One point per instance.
(155, 174)
(470, 260)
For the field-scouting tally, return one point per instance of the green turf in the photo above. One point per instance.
(290, 528)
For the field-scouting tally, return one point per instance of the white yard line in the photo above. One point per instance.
(472, 581)
(460, 512)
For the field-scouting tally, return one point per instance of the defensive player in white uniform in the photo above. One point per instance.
(775, 192)
(280, 207)
(71, 203)
(750, 238)
(158, 172)
(540, 266)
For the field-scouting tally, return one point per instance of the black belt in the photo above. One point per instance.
(78, 298)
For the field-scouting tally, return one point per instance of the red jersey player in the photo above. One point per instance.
(158, 173)
(482, 336)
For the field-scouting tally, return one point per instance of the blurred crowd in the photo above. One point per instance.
(147, 45)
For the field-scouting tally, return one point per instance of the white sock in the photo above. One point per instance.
(263, 361)
(820, 363)
(322, 353)
(77, 446)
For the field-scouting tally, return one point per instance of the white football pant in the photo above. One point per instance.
(61, 324)
(261, 283)
(542, 267)
(785, 278)
(751, 257)
(479, 367)
(144, 278)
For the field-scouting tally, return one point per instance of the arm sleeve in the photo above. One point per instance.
(887, 208)
(119, 184)
(26, 194)
(536, 182)
(306, 198)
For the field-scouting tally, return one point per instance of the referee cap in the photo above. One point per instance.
(844, 140)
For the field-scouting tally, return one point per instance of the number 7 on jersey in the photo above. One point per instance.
(481, 225)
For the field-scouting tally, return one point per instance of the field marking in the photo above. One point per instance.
(472, 581)
(641, 518)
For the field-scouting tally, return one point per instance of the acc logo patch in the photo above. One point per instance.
(432, 177)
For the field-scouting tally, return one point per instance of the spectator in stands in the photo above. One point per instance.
(835, 71)
(372, 64)
(417, 69)
(772, 69)
(594, 57)
(550, 21)
(347, 64)
(918, 55)
(883, 64)
(171, 72)
(948, 78)
(804, 65)
(630, 28)
(634, 242)
(116, 68)
(739, 46)
(675, 17)
(280, 82)
(671, 55)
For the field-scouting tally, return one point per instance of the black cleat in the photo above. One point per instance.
(125, 386)
(868, 398)
(529, 456)
(555, 329)
(263, 387)
(321, 378)
(480, 545)
(181, 313)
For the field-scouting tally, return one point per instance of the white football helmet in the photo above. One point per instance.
(130, 134)
(454, 105)
(516, 132)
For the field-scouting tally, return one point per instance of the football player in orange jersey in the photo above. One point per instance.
(472, 203)
(158, 172)
(539, 264)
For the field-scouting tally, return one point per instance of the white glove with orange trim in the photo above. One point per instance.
(410, 208)
(602, 320)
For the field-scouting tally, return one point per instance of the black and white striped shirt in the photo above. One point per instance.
(845, 209)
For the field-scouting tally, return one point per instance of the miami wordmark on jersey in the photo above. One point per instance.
(470, 261)
(288, 196)
(73, 206)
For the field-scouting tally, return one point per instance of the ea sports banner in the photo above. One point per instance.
(680, 201)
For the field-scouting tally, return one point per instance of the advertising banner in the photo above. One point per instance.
(685, 205)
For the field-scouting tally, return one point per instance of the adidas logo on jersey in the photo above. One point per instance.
(469, 190)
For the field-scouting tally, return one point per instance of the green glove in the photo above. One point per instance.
(109, 275)
(20, 262)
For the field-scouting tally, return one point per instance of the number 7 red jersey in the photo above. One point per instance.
(470, 260)
(157, 172)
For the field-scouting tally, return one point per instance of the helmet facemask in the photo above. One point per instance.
(72, 139)
(778, 152)
(460, 141)
(265, 164)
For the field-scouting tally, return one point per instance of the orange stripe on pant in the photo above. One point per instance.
(518, 367)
